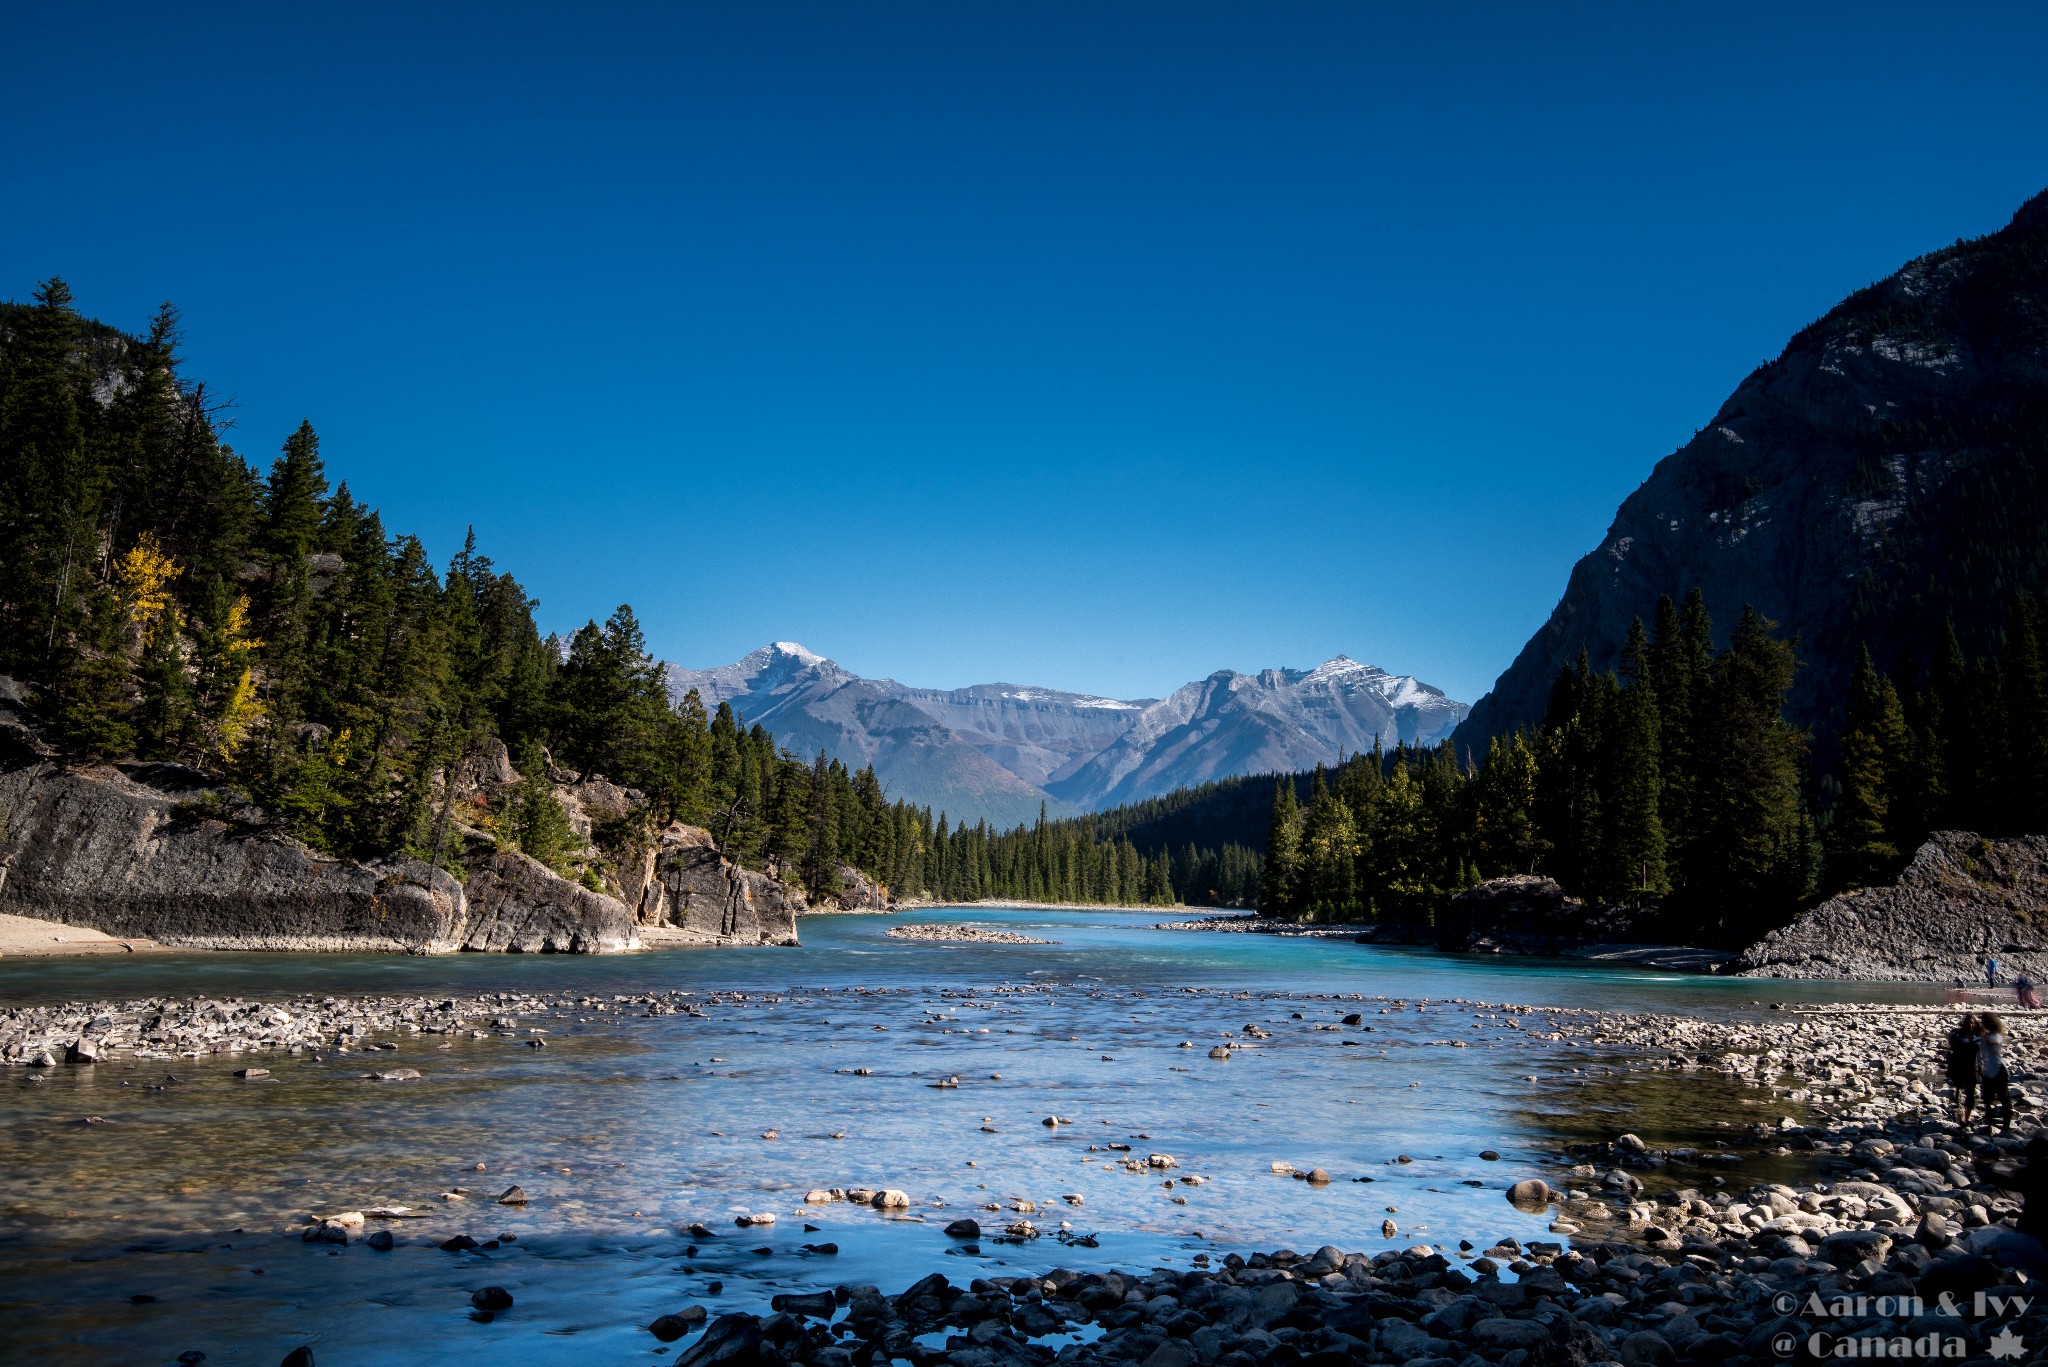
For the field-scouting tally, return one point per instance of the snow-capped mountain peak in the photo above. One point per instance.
(997, 750)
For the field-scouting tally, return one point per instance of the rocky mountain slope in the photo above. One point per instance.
(1888, 471)
(812, 704)
(997, 751)
(1275, 721)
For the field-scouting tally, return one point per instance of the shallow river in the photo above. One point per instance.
(627, 1128)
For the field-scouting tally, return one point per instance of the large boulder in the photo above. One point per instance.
(1961, 898)
(518, 904)
(596, 801)
(682, 881)
(858, 892)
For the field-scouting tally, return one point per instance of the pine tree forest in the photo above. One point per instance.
(1675, 781)
(162, 600)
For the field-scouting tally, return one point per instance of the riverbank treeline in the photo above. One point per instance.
(1677, 780)
(162, 600)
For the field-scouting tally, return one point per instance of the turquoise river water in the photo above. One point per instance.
(628, 1128)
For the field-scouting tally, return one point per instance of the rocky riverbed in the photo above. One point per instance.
(1886, 1257)
(953, 933)
(1654, 1260)
(170, 1028)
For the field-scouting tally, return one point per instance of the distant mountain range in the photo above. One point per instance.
(996, 752)
(1887, 474)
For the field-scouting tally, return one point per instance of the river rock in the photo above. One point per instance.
(491, 1298)
(964, 1229)
(1532, 1192)
(1646, 1348)
(734, 1339)
(814, 1304)
(669, 1328)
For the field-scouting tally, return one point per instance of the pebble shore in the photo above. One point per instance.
(1883, 1253)
(952, 933)
(1883, 1258)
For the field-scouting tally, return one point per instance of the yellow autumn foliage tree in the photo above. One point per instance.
(242, 709)
(145, 574)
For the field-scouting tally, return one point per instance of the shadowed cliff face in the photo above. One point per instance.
(1888, 471)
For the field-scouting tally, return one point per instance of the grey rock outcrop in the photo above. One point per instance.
(683, 882)
(858, 892)
(518, 904)
(1961, 898)
(157, 851)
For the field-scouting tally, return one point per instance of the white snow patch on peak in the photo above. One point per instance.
(1338, 664)
(791, 648)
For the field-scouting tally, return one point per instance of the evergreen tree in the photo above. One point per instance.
(1870, 770)
(1278, 886)
(1634, 854)
(1754, 851)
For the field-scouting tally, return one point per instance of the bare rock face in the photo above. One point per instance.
(152, 850)
(594, 801)
(518, 904)
(683, 882)
(1963, 897)
(1876, 480)
(485, 770)
(858, 892)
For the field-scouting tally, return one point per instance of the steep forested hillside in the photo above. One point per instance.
(1884, 477)
(164, 601)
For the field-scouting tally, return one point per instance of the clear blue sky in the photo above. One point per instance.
(1097, 346)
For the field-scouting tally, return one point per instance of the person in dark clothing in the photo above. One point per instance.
(2023, 988)
(1961, 1065)
(1993, 1076)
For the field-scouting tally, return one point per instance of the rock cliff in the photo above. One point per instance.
(157, 851)
(1883, 475)
(1961, 898)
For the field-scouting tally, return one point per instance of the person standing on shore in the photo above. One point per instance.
(1961, 1065)
(1995, 1077)
(2023, 988)
(1991, 971)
